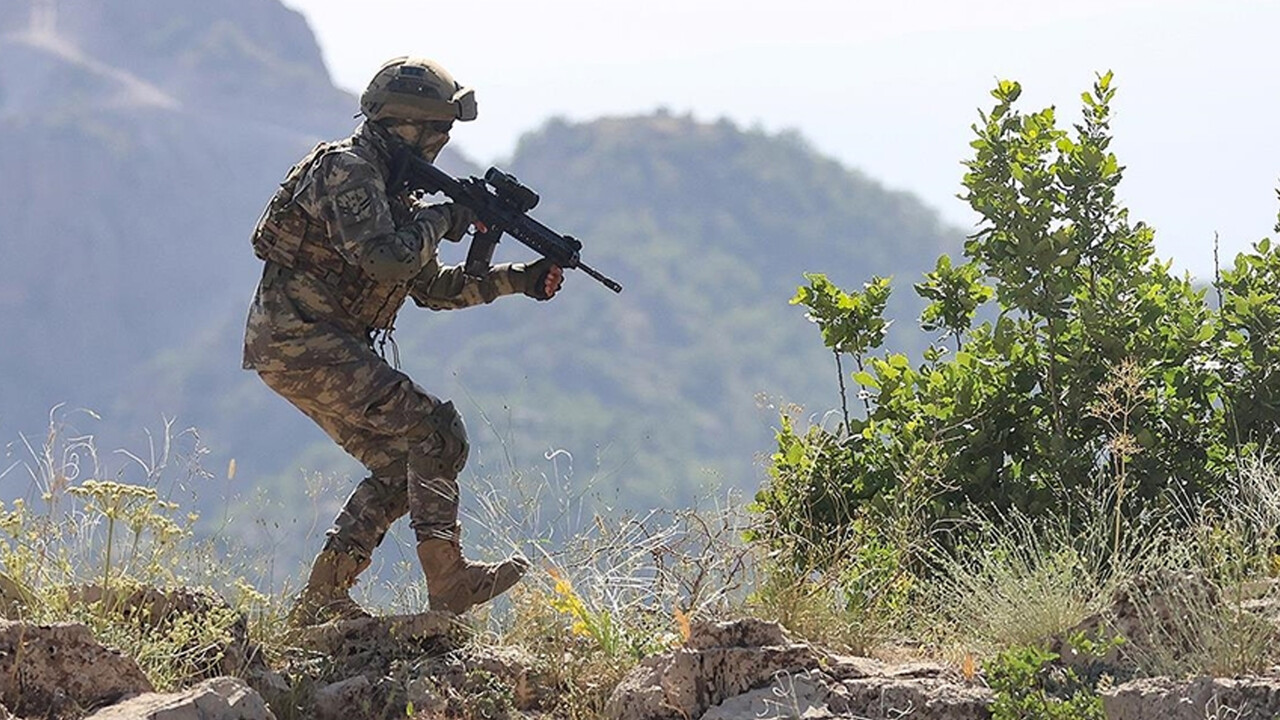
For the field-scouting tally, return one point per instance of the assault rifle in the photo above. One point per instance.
(502, 204)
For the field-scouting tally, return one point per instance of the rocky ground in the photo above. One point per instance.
(423, 664)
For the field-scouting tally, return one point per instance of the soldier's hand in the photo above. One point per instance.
(461, 218)
(543, 279)
(455, 218)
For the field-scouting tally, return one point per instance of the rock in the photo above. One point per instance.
(5, 714)
(350, 698)
(516, 669)
(43, 666)
(427, 696)
(271, 685)
(721, 674)
(151, 604)
(790, 696)
(222, 698)
(861, 688)
(520, 679)
(351, 637)
(914, 697)
(851, 667)
(1149, 613)
(1195, 699)
(744, 633)
(368, 664)
(716, 664)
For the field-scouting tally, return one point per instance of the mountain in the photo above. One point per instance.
(144, 136)
(141, 138)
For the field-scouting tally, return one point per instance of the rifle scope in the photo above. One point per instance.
(511, 191)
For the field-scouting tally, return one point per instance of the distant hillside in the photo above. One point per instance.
(143, 137)
(140, 138)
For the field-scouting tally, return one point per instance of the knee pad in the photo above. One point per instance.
(448, 442)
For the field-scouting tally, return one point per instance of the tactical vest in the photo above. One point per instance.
(288, 236)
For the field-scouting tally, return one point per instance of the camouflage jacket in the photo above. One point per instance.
(318, 303)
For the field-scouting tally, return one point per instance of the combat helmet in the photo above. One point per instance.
(411, 88)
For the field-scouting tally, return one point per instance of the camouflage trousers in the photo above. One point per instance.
(413, 444)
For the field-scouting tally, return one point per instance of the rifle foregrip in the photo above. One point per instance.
(480, 255)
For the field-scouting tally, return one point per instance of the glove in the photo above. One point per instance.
(447, 221)
(461, 218)
(535, 279)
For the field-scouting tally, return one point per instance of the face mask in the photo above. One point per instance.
(430, 144)
(425, 137)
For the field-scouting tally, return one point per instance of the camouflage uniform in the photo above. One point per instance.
(342, 257)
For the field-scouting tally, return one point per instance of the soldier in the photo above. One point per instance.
(343, 252)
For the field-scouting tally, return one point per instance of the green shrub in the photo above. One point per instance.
(1029, 686)
(1066, 352)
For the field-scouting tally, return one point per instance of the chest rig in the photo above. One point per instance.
(290, 237)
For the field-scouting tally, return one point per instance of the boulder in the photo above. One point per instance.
(350, 698)
(861, 689)
(344, 638)
(59, 665)
(443, 684)
(224, 698)
(1251, 698)
(719, 661)
(748, 669)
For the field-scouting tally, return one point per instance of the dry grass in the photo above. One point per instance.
(606, 590)
(90, 534)
(1021, 583)
(1209, 601)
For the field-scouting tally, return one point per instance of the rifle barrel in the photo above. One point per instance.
(606, 281)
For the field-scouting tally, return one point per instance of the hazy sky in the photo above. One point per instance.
(891, 88)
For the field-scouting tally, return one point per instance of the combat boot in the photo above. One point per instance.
(456, 584)
(327, 595)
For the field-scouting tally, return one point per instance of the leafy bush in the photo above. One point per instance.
(1066, 352)
(1029, 686)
